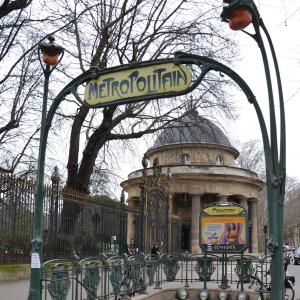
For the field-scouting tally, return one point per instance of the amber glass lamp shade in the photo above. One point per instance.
(240, 19)
(50, 59)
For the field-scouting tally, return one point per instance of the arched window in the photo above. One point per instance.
(185, 159)
(220, 160)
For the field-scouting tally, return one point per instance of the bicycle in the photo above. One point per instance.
(264, 286)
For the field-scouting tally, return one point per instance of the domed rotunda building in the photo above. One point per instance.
(191, 165)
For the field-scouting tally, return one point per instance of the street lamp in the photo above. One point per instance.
(239, 14)
(51, 57)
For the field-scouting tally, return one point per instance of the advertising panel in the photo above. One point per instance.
(223, 228)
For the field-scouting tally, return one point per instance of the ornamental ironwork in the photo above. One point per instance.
(91, 280)
(157, 218)
(151, 267)
(116, 276)
(59, 284)
(170, 267)
(244, 269)
(204, 268)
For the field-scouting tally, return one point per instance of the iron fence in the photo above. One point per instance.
(99, 228)
(121, 277)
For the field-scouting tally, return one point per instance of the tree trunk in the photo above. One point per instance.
(79, 177)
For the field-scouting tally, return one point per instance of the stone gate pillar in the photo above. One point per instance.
(130, 224)
(253, 208)
(195, 233)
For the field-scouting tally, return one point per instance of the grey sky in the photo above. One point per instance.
(282, 19)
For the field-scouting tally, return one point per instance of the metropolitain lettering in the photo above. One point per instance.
(159, 80)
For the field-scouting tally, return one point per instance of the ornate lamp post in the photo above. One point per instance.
(239, 14)
(51, 57)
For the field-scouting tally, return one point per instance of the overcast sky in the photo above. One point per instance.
(282, 19)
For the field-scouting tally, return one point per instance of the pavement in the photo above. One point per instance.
(16, 290)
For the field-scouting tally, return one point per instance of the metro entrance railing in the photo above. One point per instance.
(125, 276)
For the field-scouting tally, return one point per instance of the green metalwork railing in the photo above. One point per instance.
(115, 277)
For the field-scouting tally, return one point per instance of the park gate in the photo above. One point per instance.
(157, 219)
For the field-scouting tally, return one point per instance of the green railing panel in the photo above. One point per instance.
(170, 267)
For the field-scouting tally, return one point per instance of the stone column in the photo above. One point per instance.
(244, 203)
(195, 234)
(130, 223)
(253, 208)
(222, 198)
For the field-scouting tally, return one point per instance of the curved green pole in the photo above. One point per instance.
(35, 290)
(275, 176)
(276, 191)
(35, 283)
(278, 272)
(279, 165)
(208, 64)
(282, 160)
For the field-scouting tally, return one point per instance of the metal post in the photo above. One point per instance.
(121, 225)
(266, 240)
(35, 291)
(142, 215)
(205, 269)
(170, 209)
(275, 165)
(142, 203)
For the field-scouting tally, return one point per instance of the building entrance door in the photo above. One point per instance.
(185, 237)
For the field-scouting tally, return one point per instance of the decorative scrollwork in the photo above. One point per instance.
(135, 274)
(170, 267)
(204, 268)
(244, 269)
(151, 268)
(116, 277)
(91, 280)
(59, 284)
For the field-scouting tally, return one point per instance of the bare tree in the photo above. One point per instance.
(19, 81)
(115, 32)
(22, 27)
(252, 157)
(292, 212)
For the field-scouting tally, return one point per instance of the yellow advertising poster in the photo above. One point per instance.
(223, 233)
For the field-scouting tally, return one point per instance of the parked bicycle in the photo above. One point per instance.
(262, 281)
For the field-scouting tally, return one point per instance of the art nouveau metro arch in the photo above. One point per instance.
(144, 82)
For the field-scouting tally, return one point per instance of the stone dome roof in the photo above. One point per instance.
(192, 129)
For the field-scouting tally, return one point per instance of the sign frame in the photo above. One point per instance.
(145, 97)
(235, 216)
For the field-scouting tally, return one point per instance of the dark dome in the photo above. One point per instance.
(192, 129)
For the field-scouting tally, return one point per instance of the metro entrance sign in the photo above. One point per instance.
(144, 82)
(223, 228)
(129, 83)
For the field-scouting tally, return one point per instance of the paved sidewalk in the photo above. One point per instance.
(17, 290)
